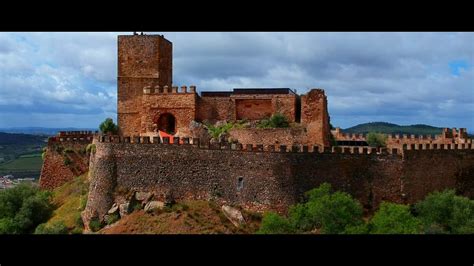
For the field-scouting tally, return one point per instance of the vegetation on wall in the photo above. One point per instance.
(338, 213)
(108, 126)
(275, 121)
(376, 139)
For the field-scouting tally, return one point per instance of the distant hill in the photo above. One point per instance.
(41, 130)
(388, 128)
(21, 139)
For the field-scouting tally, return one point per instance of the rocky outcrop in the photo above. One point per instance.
(234, 215)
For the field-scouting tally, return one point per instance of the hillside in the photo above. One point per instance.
(187, 217)
(388, 128)
(20, 154)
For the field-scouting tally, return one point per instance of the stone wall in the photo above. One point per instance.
(54, 171)
(315, 117)
(270, 136)
(272, 180)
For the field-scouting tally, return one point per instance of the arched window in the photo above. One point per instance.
(167, 123)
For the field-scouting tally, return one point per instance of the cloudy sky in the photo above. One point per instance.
(69, 79)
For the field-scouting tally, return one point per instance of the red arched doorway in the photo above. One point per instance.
(167, 123)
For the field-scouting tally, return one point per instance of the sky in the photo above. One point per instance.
(69, 79)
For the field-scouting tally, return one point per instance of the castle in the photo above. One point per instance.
(147, 101)
(265, 169)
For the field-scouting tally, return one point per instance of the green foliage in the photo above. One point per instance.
(376, 139)
(95, 225)
(275, 121)
(394, 218)
(273, 223)
(43, 155)
(445, 212)
(112, 218)
(67, 161)
(67, 150)
(108, 126)
(332, 213)
(56, 228)
(22, 208)
(217, 131)
(91, 148)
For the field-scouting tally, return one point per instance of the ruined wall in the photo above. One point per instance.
(215, 109)
(273, 180)
(54, 171)
(314, 115)
(270, 136)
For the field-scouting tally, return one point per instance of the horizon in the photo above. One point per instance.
(61, 80)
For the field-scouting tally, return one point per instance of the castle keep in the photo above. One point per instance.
(266, 169)
(148, 102)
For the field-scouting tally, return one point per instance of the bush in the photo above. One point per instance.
(112, 218)
(95, 225)
(91, 148)
(67, 161)
(273, 223)
(55, 228)
(108, 126)
(394, 218)
(68, 150)
(445, 212)
(217, 131)
(376, 139)
(332, 213)
(43, 155)
(275, 121)
(23, 208)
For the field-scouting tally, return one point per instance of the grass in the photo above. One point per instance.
(30, 162)
(70, 201)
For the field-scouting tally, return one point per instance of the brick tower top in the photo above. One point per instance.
(145, 56)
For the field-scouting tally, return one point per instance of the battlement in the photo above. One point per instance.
(73, 136)
(147, 90)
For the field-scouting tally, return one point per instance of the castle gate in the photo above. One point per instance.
(167, 123)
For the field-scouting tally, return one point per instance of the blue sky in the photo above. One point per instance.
(69, 79)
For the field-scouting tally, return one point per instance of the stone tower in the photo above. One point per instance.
(143, 60)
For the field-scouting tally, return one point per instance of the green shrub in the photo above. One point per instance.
(376, 139)
(43, 155)
(112, 218)
(446, 212)
(67, 161)
(68, 150)
(272, 223)
(393, 218)
(217, 131)
(334, 212)
(56, 228)
(91, 148)
(95, 225)
(108, 126)
(275, 121)
(23, 208)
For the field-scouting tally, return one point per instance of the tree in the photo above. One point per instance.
(22, 208)
(376, 139)
(108, 126)
(393, 218)
(272, 223)
(445, 212)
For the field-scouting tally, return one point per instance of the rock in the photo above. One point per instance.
(153, 205)
(234, 215)
(114, 209)
(124, 209)
(143, 196)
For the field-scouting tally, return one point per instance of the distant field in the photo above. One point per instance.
(30, 162)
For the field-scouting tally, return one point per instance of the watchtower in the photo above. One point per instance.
(143, 60)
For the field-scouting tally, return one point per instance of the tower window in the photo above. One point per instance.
(240, 183)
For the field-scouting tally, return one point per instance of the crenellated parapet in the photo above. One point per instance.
(150, 90)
